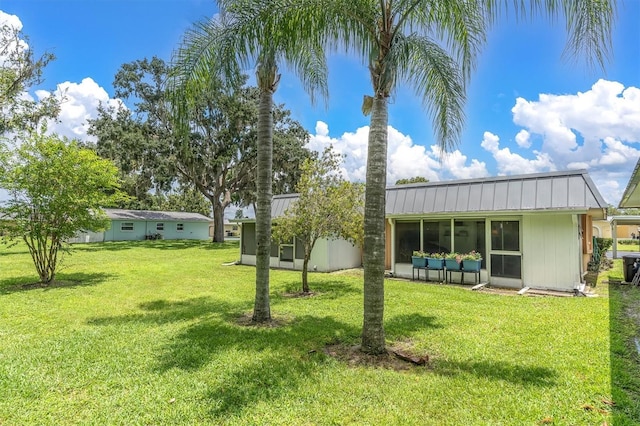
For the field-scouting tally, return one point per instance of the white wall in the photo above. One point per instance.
(327, 256)
(550, 252)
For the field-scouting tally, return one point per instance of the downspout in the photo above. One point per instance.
(580, 254)
(392, 224)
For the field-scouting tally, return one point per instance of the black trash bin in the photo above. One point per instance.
(627, 261)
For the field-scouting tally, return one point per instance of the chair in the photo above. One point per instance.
(636, 277)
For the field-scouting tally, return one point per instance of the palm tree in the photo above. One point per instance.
(253, 33)
(430, 45)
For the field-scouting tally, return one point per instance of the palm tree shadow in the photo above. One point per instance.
(406, 325)
(325, 289)
(268, 361)
(527, 375)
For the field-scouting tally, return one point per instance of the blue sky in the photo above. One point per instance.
(527, 110)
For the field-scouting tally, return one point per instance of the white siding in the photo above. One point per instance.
(327, 256)
(550, 252)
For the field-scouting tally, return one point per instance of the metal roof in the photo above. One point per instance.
(281, 203)
(121, 214)
(631, 196)
(553, 191)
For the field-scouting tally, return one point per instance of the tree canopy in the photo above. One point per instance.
(415, 179)
(20, 70)
(56, 190)
(328, 206)
(216, 157)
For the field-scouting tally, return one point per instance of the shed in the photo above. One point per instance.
(327, 254)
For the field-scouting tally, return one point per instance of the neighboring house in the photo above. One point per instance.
(327, 255)
(630, 200)
(532, 230)
(231, 229)
(129, 225)
(626, 227)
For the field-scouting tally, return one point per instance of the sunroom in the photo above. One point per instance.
(532, 230)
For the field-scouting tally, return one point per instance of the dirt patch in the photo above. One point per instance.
(299, 294)
(246, 320)
(354, 357)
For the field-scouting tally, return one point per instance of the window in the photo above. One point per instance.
(159, 226)
(299, 249)
(126, 226)
(437, 236)
(179, 227)
(286, 251)
(506, 266)
(407, 240)
(469, 235)
(505, 235)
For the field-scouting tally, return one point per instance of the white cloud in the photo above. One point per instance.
(595, 130)
(522, 139)
(79, 103)
(608, 110)
(13, 23)
(404, 158)
(509, 163)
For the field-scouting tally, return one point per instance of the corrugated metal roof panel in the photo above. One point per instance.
(514, 195)
(543, 195)
(487, 199)
(280, 204)
(529, 194)
(559, 192)
(462, 200)
(500, 196)
(123, 214)
(577, 192)
(451, 198)
(542, 191)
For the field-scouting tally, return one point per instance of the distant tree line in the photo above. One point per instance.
(204, 169)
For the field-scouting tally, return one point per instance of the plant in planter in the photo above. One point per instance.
(471, 261)
(435, 260)
(419, 259)
(453, 261)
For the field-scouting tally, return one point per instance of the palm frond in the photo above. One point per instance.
(427, 67)
(589, 23)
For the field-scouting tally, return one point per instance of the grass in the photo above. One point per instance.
(624, 328)
(148, 333)
(628, 247)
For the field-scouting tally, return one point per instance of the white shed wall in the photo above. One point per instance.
(327, 256)
(550, 252)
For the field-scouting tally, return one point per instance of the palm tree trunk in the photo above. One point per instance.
(373, 339)
(262, 310)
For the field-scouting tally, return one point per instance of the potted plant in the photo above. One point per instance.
(452, 261)
(471, 261)
(435, 260)
(419, 259)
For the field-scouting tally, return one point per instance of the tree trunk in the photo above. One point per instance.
(373, 339)
(262, 310)
(305, 269)
(218, 221)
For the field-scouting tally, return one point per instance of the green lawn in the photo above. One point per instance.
(148, 333)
